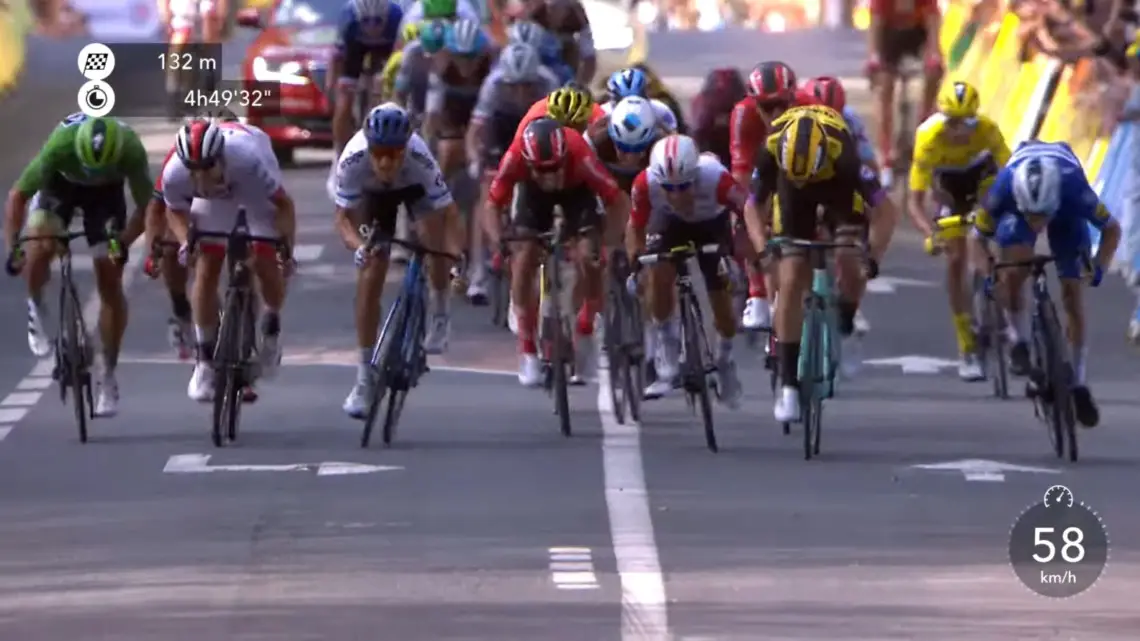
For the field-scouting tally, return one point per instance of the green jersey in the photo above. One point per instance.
(58, 158)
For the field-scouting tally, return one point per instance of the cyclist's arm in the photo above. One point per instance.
(932, 20)
(859, 133)
(348, 192)
(1093, 211)
(757, 209)
(489, 98)
(31, 180)
(136, 169)
(599, 180)
(587, 56)
(876, 33)
(178, 195)
(512, 170)
(640, 209)
(743, 136)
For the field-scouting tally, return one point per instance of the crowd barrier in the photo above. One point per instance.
(1035, 96)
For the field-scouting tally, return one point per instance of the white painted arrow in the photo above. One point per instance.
(199, 464)
(975, 469)
(890, 284)
(914, 364)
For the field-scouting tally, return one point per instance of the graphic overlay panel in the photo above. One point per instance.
(1059, 547)
(96, 61)
(96, 98)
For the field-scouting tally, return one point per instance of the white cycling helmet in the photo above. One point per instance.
(675, 160)
(633, 124)
(200, 144)
(370, 9)
(519, 62)
(527, 32)
(1037, 186)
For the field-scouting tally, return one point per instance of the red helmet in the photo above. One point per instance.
(544, 144)
(829, 91)
(771, 82)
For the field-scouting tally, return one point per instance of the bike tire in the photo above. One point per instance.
(1063, 419)
(635, 372)
(560, 366)
(997, 349)
(77, 376)
(696, 370)
(401, 362)
(500, 294)
(240, 374)
(1042, 366)
(224, 355)
(393, 326)
(811, 377)
(616, 354)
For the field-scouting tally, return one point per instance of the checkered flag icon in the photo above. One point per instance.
(95, 62)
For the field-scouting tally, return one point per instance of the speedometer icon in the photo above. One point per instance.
(1058, 496)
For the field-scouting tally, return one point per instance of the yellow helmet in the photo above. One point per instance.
(411, 32)
(801, 148)
(571, 106)
(959, 100)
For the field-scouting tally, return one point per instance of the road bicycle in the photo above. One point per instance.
(624, 341)
(399, 358)
(234, 365)
(819, 342)
(1051, 375)
(557, 275)
(698, 369)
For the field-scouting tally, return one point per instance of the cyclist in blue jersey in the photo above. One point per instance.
(547, 44)
(366, 30)
(456, 75)
(1043, 187)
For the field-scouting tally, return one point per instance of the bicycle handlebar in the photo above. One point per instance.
(375, 240)
(683, 252)
(64, 238)
(1037, 262)
(948, 223)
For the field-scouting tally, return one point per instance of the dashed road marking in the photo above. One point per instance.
(572, 568)
(21, 399)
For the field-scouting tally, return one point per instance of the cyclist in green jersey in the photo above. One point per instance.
(82, 166)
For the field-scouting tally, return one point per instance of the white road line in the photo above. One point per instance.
(4, 430)
(573, 568)
(307, 253)
(37, 383)
(21, 399)
(12, 414)
(644, 615)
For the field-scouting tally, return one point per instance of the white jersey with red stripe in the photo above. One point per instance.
(715, 192)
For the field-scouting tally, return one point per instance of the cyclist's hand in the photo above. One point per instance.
(871, 269)
(1097, 276)
(363, 255)
(184, 254)
(873, 66)
(15, 263)
(474, 171)
(152, 267)
(632, 284)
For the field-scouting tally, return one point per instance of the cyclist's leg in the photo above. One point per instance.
(213, 13)
(1069, 242)
(370, 277)
(271, 286)
(795, 219)
(932, 76)
(351, 65)
(532, 211)
(713, 269)
(850, 227)
(50, 213)
(211, 217)
(1015, 240)
(584, 215)
(884, 84)
(436, 228)
(103, 206)
(663, 232)
(757, 309)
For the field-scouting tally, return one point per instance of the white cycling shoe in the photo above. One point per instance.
(787, 407)
(757, 314)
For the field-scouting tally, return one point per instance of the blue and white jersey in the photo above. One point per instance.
(859, 133)
(353, 177)
(373, 33)
(1079, 201)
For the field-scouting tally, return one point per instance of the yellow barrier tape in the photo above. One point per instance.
(1063, 121)
(1017, 106)
(1000, 67)
(15, 21)
(260, 5)
(953, 21)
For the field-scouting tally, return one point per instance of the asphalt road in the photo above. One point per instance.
(484, 523)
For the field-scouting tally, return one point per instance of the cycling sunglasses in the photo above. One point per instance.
(772, 106)
(961, 123)
(677, 187)
(386, 152)
(547, 167)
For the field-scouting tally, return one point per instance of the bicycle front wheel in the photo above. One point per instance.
(616, 355)
(559, 362)
(77, 375)
(811, 369)
(393, 326)
(1060, 374)
(697, 380)
(400, 365)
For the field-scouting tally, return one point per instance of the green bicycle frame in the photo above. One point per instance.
(819, 348)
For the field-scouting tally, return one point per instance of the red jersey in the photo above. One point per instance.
(747, 130)
(582, 168)
(538, 110)
(902, 14)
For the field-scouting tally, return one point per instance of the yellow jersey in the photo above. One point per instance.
(935, 154)
(388, 75)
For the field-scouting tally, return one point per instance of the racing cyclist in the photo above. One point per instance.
(384, 166)
(566, 20)
(623, 144)
(516, 82)
(548, 46)
(551, 164)
(220, 169)
(367, 31)
(957, 152)
(711, 110)
(1044, 187)
(658, 91)
(810, 164)
(410, 85)
(901, 29)
(685, 197)
(633, 82)
(446, 10)
(83, 165)
(453, 89)
(571, 105)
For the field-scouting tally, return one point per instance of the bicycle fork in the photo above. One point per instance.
(820, 312)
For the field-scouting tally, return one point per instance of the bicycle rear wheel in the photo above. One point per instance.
(1060, 376)
(500, 295)
(381, 356)
(226, 386)
(78, 376)
(559, 363)
(635, 354)
(616, 353)
(696, 376)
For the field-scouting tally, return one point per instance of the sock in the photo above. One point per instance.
(1080, 362)
(789, 355)
(964, 330)
(1017, 325)
(847, 311)
(180, 306)
(756, 287)
(725, 348)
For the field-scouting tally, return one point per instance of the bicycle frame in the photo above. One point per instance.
(820, 301)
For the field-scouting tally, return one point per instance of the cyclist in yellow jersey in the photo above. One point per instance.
(957, 153)
(388, 76)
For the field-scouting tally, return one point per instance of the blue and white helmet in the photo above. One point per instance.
(1037, 186)
(370, 9)
(527, 32)
(387, 125)
(519, 62)
(466, 38)
(627, 82)
(633, 125)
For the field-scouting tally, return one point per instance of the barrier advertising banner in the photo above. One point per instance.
(15, 21)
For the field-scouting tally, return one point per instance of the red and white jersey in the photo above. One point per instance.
(715, 192)
(252, 176)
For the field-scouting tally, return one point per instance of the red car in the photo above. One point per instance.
(294, 47)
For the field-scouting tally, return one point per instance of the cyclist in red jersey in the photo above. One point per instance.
(772, 90)
(901, 29)
(541, 109)
(711, 111)
(554, 165)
